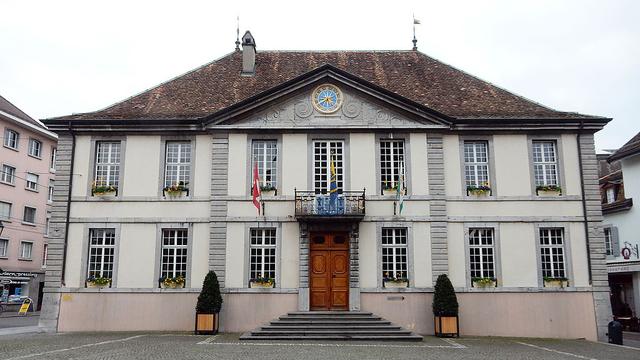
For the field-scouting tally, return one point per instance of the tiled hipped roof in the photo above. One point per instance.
(7, 107)
(410, 74)
(632, 147)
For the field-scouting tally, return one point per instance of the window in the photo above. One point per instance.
(323, 152)
(102, 245)
(608, 241)
(54, 155)
(394, 253)
(392, 166)
(481, 253)
(4, 246)
(35, 148)
(29, 215)
(611, 195)
(174, 253)
(47, 224)
(263, 254)
(32, 182)
(50, 195)
(545, 163)
(265, 154)
(476, 163)
(5, 210)
(11, 139)
(552, 252)
(8, 174)
(26, 249)
(45, 255)
(107, 163)
(178, 163)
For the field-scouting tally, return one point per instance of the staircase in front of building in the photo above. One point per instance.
(331, 325)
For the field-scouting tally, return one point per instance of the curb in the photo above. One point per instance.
(20, 330)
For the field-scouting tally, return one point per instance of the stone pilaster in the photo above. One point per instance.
(219, 191)
(437, 206)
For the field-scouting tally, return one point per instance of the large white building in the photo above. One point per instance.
(382, 118)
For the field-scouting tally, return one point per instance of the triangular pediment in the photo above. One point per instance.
(291, 105)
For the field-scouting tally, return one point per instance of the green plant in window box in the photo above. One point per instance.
(389, 188)
(261, 282)
(395, 281)
(480, 190)
(98, 282)
(268, 190)
(483, 282)
(548, 190)
(172, 282)
(556, 282)
(176, 189)
(99, 188)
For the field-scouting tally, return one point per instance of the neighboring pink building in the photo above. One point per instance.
(26, 182)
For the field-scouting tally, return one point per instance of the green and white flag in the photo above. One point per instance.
(400, 189)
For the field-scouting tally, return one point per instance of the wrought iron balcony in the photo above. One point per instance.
(347, 205)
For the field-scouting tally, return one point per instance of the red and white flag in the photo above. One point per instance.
(256, 187)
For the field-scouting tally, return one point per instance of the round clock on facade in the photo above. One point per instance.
(326, 98)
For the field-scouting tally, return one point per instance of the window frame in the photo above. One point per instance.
(491, 161)
(497, 263)
(344, 138)
(35, 215)
(180, 165)
(50, 190)
(6, 138)
(87, 248)
(45, 255)
(93, 154)
(27, 182)
(8, 219)
(278, 179)
(163, 163)
(273, 248)
(53, 159)
(21, 251)
(568, 263)
(559, 161)
(249, 164)
(410, 253)
(115, 253)
(33, 141)
(405, 138)
(3, 174)
(247, 253)
(159, 246)
(173, 234)
(5, 255)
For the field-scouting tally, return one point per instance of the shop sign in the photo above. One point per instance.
(25, 306)
(18, 274)
(623, 268)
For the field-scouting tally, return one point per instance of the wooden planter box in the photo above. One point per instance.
(93, 285)
(105, 194)
(549, 193)
(479, 193)
(268, 193)
(556, 283)
(390, 284)
(172, 286)
(479, 285)
(207, 324)
(260, 285)
(389, 192)
(446, 326)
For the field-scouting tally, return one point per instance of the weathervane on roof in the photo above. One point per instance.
(415, 41)
(238, 33)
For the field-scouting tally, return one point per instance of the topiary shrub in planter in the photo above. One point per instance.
(208, 306)
(445, 308)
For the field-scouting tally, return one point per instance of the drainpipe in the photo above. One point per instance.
(66, 225)
(584, 204)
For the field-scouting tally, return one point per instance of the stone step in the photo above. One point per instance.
(330, 317)
(330, 322)
(382, 332)
(412, 337)
(307, 313)
(327, 327)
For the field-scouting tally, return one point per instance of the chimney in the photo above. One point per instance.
(248, 54)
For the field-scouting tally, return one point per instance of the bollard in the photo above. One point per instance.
(615, 332)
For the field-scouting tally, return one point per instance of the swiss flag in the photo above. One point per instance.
(256, 187)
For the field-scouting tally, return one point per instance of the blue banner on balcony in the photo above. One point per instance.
(325, 205)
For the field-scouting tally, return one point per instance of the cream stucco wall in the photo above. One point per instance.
(368, 252)
(289, 255)
(235, 258)
(419, 169)
(74, 276)
(518, 255)
(422, 255)
(199, 254)
(571, 164)
(513, 173)
(141, 166)
(202, 171)
(83, 176)
(531, 209)
(457, 257)
(363, 151)
(238, 164)
(137, 246)
(294, 162)
(452, 174)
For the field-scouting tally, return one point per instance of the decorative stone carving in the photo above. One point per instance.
(303, 109)
(351, 108)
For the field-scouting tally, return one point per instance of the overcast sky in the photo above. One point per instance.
(61, 57)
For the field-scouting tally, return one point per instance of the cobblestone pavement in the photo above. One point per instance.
(227, 346)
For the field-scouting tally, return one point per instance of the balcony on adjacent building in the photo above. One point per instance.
(346, 206)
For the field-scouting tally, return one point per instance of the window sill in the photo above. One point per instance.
(53, 171)
(28, 223)
(10, 148)
(4, 258)
(24, 259)
(35, 157)
(32, 190)
(8, 183)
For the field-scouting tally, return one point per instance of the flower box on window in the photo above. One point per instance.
(556, 282)
(261, 283)
(268, 190)
(172, 282)
(388, 190)
(548, 190)
(479, 191)
(98, 282)
(176, 190)
(103, 190)
(395, 282)
(483, 283)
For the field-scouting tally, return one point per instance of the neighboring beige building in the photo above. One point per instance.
(381, 118)
(27, 172)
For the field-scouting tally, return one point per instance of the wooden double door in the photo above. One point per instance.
(329, 271)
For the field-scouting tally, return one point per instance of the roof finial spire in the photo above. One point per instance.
(415, 41)
(238, 33)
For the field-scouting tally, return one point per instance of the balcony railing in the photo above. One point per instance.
(347, 204)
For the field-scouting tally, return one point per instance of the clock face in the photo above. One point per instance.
(327, 98)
